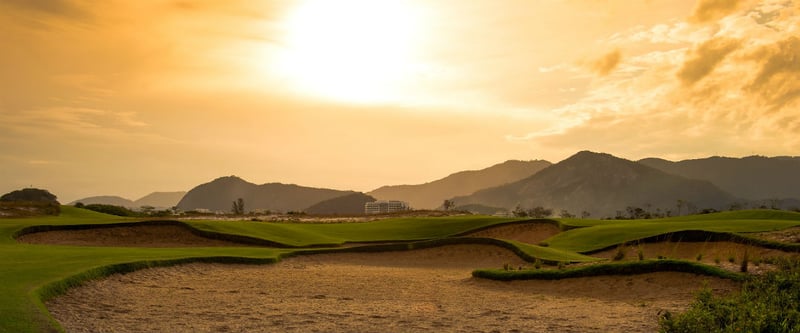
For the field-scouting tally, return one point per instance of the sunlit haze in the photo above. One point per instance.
(130, 97)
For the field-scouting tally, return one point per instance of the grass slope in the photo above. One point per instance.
(26, 269)
(315, 234)
(604, 234)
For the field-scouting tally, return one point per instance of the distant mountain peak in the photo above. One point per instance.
(430, 195)
(599, 183)
(231, 178)
(219, 193)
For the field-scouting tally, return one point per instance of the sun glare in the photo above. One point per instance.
(359, 51)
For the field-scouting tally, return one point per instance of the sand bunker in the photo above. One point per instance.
(531, 233)
(126, 236)
(413, 291)
(790, 235)
(712, 253)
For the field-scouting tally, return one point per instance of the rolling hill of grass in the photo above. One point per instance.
(32, 273)
(597, 235)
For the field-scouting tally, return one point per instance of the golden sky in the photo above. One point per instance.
(129, 97)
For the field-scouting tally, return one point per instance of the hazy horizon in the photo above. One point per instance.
(127, 98)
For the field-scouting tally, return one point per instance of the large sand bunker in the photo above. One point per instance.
(146, 235)
(531, 232)
(412, 291)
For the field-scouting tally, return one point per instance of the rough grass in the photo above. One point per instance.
(617, 268)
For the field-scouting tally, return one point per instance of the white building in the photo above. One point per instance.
(385, 206)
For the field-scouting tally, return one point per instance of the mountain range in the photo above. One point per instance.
(749, 178)
(159, 200)
(431, 195)
(596, 183)
(219, 194)
(601, 184)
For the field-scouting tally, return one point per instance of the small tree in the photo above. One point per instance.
(539, 212)
(238, 206)
(585, 214)
(519, 212)
(566, 214)
(448, 204)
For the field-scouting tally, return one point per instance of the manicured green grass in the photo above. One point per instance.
(31, 273)
(25, 270)
(604, 234)
(311, 234)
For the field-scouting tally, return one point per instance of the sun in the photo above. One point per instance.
(360, 51)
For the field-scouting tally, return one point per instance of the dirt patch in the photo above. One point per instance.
(411, 291)
(727, 255)
(531, 233)
(126, 236)
(790, 235)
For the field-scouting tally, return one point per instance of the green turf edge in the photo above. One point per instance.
(593, 239)
(625, 268)
(559, 224)
(709, 236)
(198, 232)
(43, 294)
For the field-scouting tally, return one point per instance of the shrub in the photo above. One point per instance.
(768, 303)
(620, 253)
(731, 259)
(640, 253)
(111, 210)
(699, 256)
(537, 263)
(743, 267)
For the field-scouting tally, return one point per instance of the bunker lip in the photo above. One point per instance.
(531, 232)
(405, 291)
(157, 234)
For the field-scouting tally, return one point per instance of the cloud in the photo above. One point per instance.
(705, 58)
(777, 80)
(708, 10)
(61, 8)
(744, 92)
(607, 63)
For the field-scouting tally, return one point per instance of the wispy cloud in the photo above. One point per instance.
(733, 87)
(607, 63)
(61, 8)
(705, 58)
(707, 10)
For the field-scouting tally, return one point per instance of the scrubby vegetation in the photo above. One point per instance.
(617, 268)
(767, 303)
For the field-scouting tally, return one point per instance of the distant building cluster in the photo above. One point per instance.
(385, 206)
